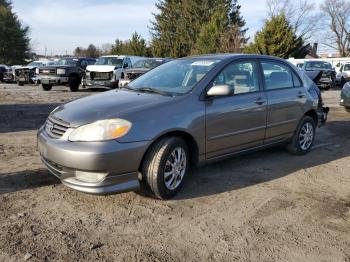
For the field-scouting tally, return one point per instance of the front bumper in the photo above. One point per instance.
(120, 161)
(123, 82)
(345, 98)
(325, 82)
(99, 83)
(322, 114)
(53, 80)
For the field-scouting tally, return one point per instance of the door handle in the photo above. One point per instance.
(260, 101)
(301, 94)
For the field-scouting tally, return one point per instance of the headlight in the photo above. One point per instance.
(101, 130)
(61, 71)
(36, 71)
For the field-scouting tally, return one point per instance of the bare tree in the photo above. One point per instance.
(336, 17)
(299, 13)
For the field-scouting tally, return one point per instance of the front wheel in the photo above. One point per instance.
(46, 87)
(20, 83)
(74, 83)
(303, 138)
(165, 167)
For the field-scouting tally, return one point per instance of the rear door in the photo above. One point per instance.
(237, 122)
(286, 98)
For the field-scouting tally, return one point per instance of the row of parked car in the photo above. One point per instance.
(325, 75)
(111, 71)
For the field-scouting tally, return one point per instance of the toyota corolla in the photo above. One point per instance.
(187, 112)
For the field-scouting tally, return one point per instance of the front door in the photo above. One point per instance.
(237, 122)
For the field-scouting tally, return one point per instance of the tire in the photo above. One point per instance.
(20, 83)
(307, 130)
(342, 82)
(73, 83)
(46, 87)
(157, 160)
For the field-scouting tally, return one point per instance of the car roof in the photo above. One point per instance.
(224, 57)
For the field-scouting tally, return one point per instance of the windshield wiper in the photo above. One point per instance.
(152, 90)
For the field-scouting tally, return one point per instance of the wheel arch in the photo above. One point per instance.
(312, 113)
(187, 137)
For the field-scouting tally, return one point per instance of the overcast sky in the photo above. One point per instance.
(63, 25)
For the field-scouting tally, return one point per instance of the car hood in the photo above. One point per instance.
(100, 68)
(111, 104)
(26, 67)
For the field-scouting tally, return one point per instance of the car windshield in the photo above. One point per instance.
(113, 61)
(148, 63)
(347, 67)
(175, 77)
(67, 62)
(318, 65)
(35, 64)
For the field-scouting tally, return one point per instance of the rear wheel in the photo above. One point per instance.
(304, 137)
(20, 83)
(165, 167)
(74, 83)
(46, 87)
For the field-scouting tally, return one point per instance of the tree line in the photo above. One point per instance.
(188, 27)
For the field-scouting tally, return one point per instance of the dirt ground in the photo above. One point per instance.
(266, 206)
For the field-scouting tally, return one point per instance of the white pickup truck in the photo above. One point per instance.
(107, 70)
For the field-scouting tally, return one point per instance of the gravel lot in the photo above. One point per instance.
(267, 206)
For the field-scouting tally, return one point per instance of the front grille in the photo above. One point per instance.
(133, 76)
(55, 128)
(47, 71)
(101, 75)
(24, 73)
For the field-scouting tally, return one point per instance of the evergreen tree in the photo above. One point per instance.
(135, 46)
(14, 40)
(177, 25)
(184, 27)
(278, 38)
(211, 35)
(92, 51)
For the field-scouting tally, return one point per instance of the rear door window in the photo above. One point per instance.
(279, 76)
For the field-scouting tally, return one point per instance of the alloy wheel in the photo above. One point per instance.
(306, 136)
(175, 168)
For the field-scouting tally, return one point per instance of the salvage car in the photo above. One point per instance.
(139, 68)
(28, 74)
(345, 96)
(344, 74)
(108, 70)
(9, 75)
(321, 72)
(186, 112)
(3, 70)
(67, 71)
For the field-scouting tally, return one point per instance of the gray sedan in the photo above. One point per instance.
(184, 113)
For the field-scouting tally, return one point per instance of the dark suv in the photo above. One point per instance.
(67, 71)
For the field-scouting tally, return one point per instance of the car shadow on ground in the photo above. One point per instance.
(23, 117)
(28, 179)
(332, 143)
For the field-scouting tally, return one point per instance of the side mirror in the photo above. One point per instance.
(126, 65)
(220, 90)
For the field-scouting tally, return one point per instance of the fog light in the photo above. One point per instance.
(90, 177)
